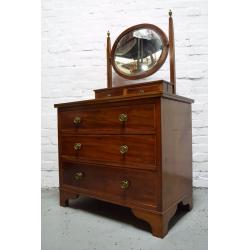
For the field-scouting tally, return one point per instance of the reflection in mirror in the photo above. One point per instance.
(138, 51)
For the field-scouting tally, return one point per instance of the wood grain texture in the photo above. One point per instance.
(105, 118)
(107, 181)
(109, 66)
(158, 221)
(65, 196)
(176, 130)
(157, 166)
(135, 89)
(109, 93)
(121, 100)
(105, 149)
(172, 53)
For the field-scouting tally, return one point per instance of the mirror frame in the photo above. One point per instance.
(160, 62)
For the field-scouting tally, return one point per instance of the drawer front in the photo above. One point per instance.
(135, 151)
(132, 118)
(144, 89)
(116, 184)
(109, 93)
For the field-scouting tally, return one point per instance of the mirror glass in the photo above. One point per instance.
(138, 51)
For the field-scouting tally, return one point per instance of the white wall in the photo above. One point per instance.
(74, 63)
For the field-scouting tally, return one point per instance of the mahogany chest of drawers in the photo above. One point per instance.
(132, 148)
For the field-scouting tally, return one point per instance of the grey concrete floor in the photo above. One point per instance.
(96, 225)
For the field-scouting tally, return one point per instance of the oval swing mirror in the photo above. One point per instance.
(139, 51)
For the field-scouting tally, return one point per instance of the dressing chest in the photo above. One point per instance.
(132, 146)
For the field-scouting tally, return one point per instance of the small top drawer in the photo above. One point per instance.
(139, 90)
(109, 93)
(134, 118)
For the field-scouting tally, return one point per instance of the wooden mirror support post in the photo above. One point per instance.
(109, 67)
(172, 52)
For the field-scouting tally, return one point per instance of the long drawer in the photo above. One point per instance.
(132, 151)
(134, 118)
(122, 185)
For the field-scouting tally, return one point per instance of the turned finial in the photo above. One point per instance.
(170, 13)
(108, 34)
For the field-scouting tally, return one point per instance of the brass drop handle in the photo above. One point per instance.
(77, 120)
(77, 146)
(123, 149)
(124, 184)
(78, 176)
(123, 117)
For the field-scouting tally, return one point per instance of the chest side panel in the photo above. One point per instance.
(176, 129)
